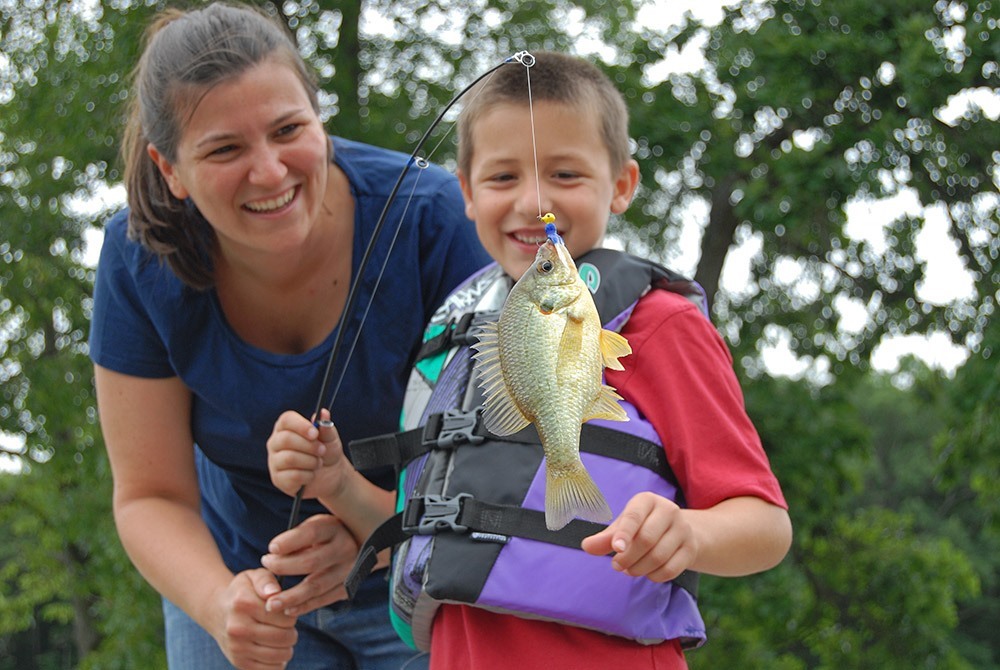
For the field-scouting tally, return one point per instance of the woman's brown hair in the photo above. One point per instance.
(185, 54)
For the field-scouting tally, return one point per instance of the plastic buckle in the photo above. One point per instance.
(438, 513)
(455, 427)
(466, 332)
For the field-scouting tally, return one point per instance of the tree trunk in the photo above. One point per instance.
(347, 65)
(718, 238)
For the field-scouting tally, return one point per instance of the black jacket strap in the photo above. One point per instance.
(454, 428)
(457, 332)
(491, 522)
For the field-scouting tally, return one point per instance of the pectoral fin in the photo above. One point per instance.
(501, 415)
(613, 347)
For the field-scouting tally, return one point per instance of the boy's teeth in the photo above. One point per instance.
(273, 203)
(537, 239)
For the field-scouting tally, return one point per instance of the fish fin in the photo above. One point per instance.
(570, 345)
(613, 347)
(501, 415)
(571, 340)
(572, 493)
(606, 406)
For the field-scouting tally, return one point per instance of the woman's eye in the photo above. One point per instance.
(289, 129)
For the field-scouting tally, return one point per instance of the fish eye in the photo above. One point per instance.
(545, 267)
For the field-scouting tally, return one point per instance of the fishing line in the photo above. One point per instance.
(527, 60)
(352, 295)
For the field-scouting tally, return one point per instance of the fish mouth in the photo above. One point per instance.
(269, 205)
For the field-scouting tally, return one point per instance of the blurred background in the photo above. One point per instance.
(827, 170)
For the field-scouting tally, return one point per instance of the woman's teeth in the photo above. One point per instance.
(272, 203)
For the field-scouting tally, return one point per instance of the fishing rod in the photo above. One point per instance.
(521, 57)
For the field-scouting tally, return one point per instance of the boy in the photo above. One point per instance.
(565, 151)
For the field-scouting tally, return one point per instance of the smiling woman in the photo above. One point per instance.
(218, 298)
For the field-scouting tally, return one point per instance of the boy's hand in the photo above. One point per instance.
(651, 538)
(302, 455)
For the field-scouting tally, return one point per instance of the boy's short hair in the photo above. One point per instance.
(555, 77)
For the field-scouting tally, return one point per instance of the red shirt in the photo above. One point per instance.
(680, 376)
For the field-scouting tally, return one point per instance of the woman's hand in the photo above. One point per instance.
(321, 548)
(250, 636)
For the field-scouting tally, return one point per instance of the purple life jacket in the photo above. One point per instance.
(470, 525)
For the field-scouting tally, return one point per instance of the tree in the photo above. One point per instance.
(802, 106)
(63, 83)
(966, 494)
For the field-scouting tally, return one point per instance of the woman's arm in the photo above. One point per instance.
(146, 426)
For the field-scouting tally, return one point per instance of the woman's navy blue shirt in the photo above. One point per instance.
(147, 323)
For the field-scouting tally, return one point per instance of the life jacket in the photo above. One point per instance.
(469, 526)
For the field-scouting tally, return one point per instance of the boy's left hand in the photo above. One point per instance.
(651, 538)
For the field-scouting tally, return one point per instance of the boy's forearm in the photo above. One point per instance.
(740, 536)
(361, 505)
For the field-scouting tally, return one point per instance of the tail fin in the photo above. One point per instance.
(572, 493)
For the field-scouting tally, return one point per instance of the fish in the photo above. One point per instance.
(541, 362)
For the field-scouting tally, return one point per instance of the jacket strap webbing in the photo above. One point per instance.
(484, 521)
(455, 428)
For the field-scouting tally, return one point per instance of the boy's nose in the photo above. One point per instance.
(528, 203)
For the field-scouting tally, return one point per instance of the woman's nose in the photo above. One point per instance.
(267, 166)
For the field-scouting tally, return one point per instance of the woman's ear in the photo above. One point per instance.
(625, 184)
(169, 173)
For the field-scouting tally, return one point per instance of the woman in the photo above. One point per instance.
(216, 304)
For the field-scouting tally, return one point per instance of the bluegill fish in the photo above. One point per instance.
(542, 363)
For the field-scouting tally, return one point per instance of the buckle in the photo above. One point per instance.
(434, 513)
(465, 332)
(452, 428)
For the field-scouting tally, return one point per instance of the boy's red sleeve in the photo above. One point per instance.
(680, 376)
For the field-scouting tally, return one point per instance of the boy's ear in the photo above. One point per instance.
(470, 208)
(624, 187)
(167, 170)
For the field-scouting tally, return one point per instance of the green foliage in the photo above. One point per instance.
(61, 563)
(802, 107)
(881, 574)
